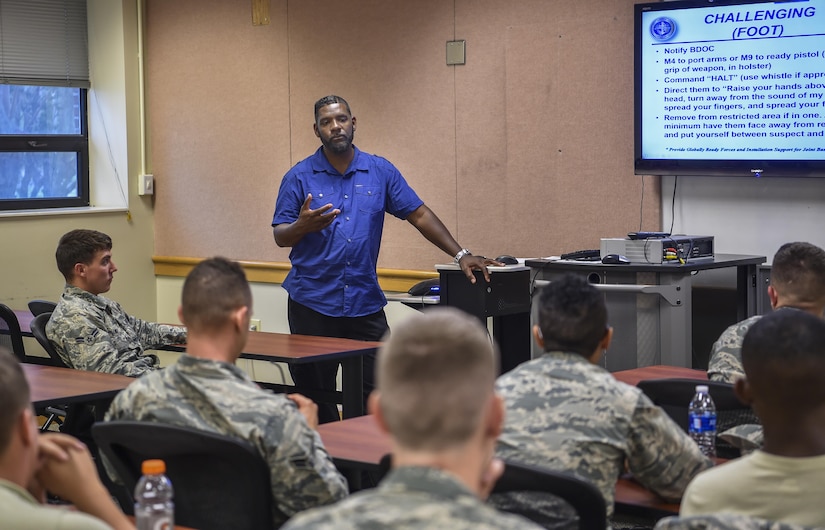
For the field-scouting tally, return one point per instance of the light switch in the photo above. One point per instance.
(455, 52)
(146, 185)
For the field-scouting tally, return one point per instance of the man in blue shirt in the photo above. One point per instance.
(330, 210)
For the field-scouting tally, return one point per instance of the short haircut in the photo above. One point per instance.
(435, 375)
(330, 100)
(79, 246)
(798, 274)
(783, 354)
(213, 289)
(572, 315)
(14, 395)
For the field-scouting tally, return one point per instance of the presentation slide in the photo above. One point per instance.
(734, 82)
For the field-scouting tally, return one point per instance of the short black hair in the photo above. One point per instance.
(572, 315)
(79, 246)
(798, 273)
(785, 335)
(783, 353)
(330, 100)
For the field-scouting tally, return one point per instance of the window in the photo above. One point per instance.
(44, 153)
(44, 77)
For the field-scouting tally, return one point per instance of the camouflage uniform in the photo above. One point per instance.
(91, 332)
(724, 521)
(411, 498)
(725, 363)
(220, 397)
(570, 415)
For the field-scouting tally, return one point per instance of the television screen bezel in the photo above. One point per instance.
(694, 167)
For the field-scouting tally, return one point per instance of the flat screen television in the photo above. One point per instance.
(730, 87)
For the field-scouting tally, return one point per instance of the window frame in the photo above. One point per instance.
(54, 143)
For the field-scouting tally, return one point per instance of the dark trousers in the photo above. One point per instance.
(321, 375)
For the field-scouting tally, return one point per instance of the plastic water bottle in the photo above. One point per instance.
(154, 509)
(702, 421)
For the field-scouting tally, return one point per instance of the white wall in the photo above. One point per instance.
(746, 215)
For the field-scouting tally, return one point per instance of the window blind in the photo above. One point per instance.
(44, 42)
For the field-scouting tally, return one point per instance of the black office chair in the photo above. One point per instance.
(7, 316)
(38, 307)
(220, 482)
(10, 334)
(581, 496)
(674, 396)
(38, 326)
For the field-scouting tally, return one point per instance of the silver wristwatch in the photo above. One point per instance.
(461, 253)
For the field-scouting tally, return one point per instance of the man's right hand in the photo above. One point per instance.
(67, 470)
(309, 220)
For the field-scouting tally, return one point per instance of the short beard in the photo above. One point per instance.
(339, 148)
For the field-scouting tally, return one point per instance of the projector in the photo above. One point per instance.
(671, 249)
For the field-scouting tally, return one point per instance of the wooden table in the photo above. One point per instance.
(358, 444)
(632, 377)
(303, 349)
(50, 385)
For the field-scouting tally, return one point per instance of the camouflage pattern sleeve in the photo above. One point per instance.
(303, 474)
(746, 437)
(84, 341)
(662, 456)
(723, 521)
(154, 335)
(725, 363)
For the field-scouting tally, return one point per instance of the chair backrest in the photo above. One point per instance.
(582, 496)
(674, 396)
(38, 307)
(38, 326)
(10, 325)
(219, 482)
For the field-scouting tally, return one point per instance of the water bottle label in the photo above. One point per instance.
(700, 423)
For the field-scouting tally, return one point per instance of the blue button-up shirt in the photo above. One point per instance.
(333, 271)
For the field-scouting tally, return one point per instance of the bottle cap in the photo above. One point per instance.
(702, 388)
(153, 467)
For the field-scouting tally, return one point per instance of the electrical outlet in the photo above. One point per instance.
(254, 324)
(146, 184)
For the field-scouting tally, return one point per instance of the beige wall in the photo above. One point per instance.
(527, 149)
(27, 260)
